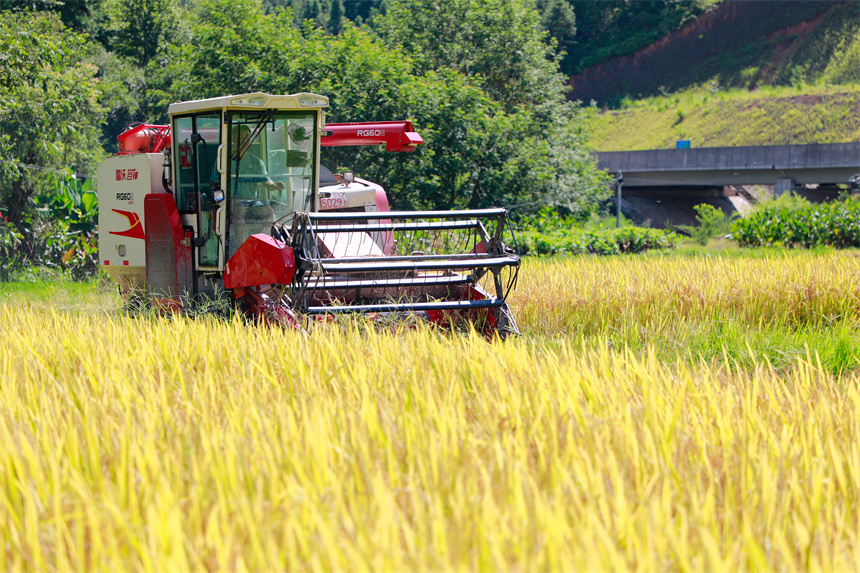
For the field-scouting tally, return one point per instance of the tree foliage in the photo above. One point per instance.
(335, 18)
(49, 112)
(142, 28)
(78, 15)
(500, 43)
(559, 20)
(534, 151)
(484, 145)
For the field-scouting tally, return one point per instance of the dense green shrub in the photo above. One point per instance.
(711, 222)
(796, 222)
(59, 233)
(67, 227)
(549, 234)
(10, 239)
(576, 241)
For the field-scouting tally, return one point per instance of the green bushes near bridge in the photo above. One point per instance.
(789, 221)
(595, 241)
(548, 234)
(794, 222)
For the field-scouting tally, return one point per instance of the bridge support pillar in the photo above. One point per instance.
(782, 186)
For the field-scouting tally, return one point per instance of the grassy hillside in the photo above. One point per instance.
(740, 74)
(712, 118)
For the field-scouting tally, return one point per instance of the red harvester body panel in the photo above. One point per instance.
(261, 260)
(168, 252)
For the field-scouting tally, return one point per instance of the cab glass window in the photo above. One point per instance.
(271, 170)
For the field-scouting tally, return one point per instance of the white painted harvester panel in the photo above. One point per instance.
(123, 182)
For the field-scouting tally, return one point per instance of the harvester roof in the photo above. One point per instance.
(251, 101)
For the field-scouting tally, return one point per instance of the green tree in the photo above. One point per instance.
(142, 28)
(76, 14)
(363, 11)
(137, 37)
(335, 18)
(311, 11)
(501, 46)
(498, 42)
(49, 112)
(711, 222)
(124, 89)
(559, 21)
(616, 27)
(478, 151)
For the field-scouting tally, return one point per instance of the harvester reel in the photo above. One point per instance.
(445, 265)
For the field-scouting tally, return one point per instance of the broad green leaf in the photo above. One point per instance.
(89, 200)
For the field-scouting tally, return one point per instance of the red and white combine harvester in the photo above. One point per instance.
(231, 198)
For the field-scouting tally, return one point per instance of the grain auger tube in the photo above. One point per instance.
(230, 200)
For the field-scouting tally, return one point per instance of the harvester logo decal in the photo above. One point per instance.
(126, 174)
(135, 230)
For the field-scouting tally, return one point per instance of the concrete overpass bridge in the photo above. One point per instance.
(662, 184)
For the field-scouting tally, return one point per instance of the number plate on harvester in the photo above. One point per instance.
(336, 201)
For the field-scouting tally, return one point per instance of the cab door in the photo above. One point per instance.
(197, 141)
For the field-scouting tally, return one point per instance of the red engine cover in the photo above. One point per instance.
(144, 138)
(261, 260)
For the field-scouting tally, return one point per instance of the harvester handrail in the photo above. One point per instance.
(352, 284)
(348, 216)
(457, 256)
(382, 265)
(396, 226)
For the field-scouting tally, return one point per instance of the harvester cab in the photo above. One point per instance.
(230, 198)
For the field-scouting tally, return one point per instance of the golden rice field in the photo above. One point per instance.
(611, 436)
